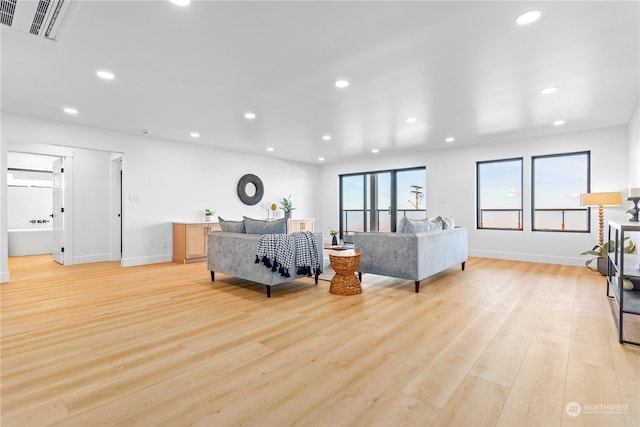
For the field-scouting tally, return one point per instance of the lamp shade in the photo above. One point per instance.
(601, 199)
(634, 192)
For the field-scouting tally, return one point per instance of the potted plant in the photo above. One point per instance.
(334, 238)
(287, 206)
(600, 253)
(208, 215)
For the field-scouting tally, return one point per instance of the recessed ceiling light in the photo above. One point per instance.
(249, 115)
(271, 149)
(375, 151)
(107, 75)
(528, 17)
(321, 159)
(326, 137)
(559, 122)
(410, 120)
(450, 139)
(342, 83)
(70, 110)
(146, 132)
(194, 135)
(181, 2)
(548, 90)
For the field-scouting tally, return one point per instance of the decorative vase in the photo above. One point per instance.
(208, 218)
(287, 214)
(334, 241)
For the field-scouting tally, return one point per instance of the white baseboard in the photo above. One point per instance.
(86, 259)
(4, 277)
(544, 259)
(155, 259)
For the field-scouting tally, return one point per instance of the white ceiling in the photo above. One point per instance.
(462, 69)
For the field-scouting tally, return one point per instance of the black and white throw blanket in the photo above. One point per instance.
(275, 251)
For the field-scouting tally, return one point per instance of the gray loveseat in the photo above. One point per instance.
(412, 255)
(234, 253)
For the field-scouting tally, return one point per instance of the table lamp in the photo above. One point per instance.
(600, 200)
(634, 196)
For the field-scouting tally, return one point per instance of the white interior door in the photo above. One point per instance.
(58, 211)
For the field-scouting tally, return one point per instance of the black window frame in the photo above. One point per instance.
(479, 210)
(393, 195)
(533, 193)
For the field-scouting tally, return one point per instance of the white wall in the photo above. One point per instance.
(4, 242)
(163, 181)
(634, 149)
(91, 206)
(451, 190)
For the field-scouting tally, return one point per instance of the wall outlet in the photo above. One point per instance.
(165, 244)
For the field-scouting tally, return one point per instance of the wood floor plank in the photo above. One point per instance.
(536, 396)
(486, 398)
(502, 343)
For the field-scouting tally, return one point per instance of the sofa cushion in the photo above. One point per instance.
(261, 226)
(231, 226)
(408, 225)
(447, 222)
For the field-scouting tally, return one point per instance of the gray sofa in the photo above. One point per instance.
(412, 256)
(235, 253)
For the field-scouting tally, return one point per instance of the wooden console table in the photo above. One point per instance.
(190, 241)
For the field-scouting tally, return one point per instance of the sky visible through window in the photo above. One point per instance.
(558, 182)
(353, 199)
(500, 187)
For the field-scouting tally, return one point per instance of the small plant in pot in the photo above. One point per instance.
(208, 215)
(287, 206)
(334, 238)
(600, 254)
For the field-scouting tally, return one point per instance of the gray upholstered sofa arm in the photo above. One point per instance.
(411, 256)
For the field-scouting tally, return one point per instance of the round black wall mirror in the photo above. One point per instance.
(250, 189)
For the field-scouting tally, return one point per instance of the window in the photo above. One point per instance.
(499, 194)
(375, 201)
(557, 181)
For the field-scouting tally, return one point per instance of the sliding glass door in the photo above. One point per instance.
(375, 201)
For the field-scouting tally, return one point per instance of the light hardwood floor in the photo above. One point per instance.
(502, 343)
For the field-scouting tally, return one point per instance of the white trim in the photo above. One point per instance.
(37, 148)
(86, 259)
(68, 211)
(543, 259)
(4, 277)
(154, 259)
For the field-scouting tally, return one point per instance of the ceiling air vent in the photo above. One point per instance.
(7, 10)
(38, 17)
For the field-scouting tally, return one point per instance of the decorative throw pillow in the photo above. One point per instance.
(231, 226)
(279, 226)
(253, 226)
(261, 226)
(419, 225)
(401, 224)
(447, 222)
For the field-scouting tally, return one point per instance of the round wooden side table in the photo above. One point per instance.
(345, 281)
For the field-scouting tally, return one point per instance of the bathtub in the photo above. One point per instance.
(36, 241)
